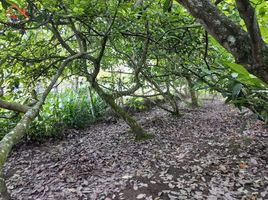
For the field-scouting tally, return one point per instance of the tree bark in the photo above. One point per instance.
(229, 34)
(138, 131)
(167, 95)
(14, 106)
(194, 99)
(89, 95)
(247, 13)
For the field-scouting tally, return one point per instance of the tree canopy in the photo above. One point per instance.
(122, 48)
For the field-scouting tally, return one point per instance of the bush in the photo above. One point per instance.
(68, 109)
(135, 104)
(7, 124)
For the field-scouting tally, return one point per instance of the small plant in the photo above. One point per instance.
(7, 124)
(68, 109)
(136, 104)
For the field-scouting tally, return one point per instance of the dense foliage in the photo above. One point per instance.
(67, 109)
(140, 49)
(145, 50)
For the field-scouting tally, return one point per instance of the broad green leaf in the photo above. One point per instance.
(238, 68)
(236, 90)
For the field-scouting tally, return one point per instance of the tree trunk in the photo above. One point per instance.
(194, 98)
(172, 99)
(12, 138)
(3, 188)
(76, 83)
(230, 35)
(138, 131)
(17, 133)
(89, 95)
(167, 95)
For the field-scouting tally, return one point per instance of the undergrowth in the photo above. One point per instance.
(67, 109)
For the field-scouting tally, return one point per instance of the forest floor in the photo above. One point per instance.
(212, 152)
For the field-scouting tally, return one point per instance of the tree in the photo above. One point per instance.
(94, 37)
(14, 136)
(247, 47)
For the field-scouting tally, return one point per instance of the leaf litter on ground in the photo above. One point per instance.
(201, 155)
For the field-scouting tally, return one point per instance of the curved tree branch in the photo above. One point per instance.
(229, 34)
(247, 13)
(14, 106)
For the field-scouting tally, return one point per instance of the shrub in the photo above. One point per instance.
(135, 104)
(68, 109)
(7, 124)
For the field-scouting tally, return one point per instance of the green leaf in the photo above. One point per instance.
(236, 90)
(167, 5)
(238, 68)
(262, 11)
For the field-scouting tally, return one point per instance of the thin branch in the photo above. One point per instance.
(206, 50)
(60, 39)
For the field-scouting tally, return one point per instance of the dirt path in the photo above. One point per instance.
(202, 155)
